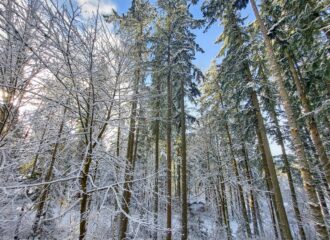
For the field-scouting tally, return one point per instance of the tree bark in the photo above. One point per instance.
(270, 193)
(310, 119)
(118, 129)
(280, 141)
(282, 217)
(169, 136)
(222, 186)
(184, 234)
(129, 169)
(85, 195)
(157, 129)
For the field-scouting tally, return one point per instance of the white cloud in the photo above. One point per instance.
(89, 7)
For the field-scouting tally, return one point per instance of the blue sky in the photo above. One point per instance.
(205, 40)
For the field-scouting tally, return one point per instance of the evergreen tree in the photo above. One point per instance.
(233, 47)
(305, 172)
(176, 44)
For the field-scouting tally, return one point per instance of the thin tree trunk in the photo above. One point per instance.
(249, 177)
(207, 186)
(323, 202)
(222, 186)
(305, 172)
(6, 109)
(184, 234)
(131, 151)
(259, 217)
(219, 204)
(118, 129)
(157, 129)
(252, 199)
(45, 189)
(129, 170)
(292, 189)
(169, 140)
(136, 144)
(126, 198)
(93, 178)
(38, 151)
(177, 172)
(118, 142)
(225, 205)
(273, 214)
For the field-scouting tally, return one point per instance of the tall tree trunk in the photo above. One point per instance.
(259, 217)
(305, 172)
(157, 129)
(282, 217)
(126, 198)
(273, 212)
(131, 147)
(219, 203)
(177, 171)
(221, 184)
(129, 169)
(210, 180)
(184, 234)
(292, 189)
(310, 119)
(270, 193)
(280, 141)
(169, 138)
